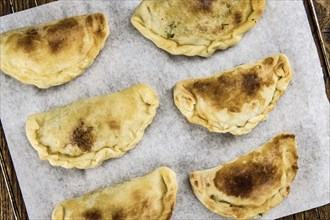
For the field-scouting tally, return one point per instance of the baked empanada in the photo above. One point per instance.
(86, 132)
(252, 184)
(235, 100)
(53, 53)
(151, 197)
(196, 27)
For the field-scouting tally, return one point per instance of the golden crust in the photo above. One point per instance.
(51, 54)
(152, 196)
(235, 100)
(253, 183)
(86, 132)
(184, 27)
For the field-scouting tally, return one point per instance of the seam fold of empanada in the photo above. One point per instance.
(187, 101)
(142, 20)
(256, 194)
(53, 53)
(152, 196)
(86, 132)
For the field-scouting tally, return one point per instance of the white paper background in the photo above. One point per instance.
(170, 140)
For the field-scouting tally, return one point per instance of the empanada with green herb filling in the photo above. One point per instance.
(86, 132)
(53, 53)
(235, 100)
(253, 183)
(152, 196)
(196, 27)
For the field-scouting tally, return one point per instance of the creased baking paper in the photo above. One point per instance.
(170, 140)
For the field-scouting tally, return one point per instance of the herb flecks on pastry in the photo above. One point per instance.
(196, 27)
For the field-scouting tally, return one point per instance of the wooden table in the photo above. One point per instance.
(6, 212)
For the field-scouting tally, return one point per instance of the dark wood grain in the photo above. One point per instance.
(290, 217)
(322, 8)
(320, 213)
(5, 206)
(324, 212)
(323, 14)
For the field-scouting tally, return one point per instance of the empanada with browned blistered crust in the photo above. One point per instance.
(196, 27)
(235, 100)
(152, 196)
(54, 53)
(86, 132)
(252, 184)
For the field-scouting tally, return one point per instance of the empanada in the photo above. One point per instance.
(235, 100)
(196, 27)
(152, 196)
(86, 132)
(252, 184)
(53, 53)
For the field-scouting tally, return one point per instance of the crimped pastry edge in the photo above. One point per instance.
(275, 200)
(175, 48)
(86, 161)
(193, 116)
(65, 75)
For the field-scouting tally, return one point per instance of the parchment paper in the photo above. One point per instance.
(170, 140)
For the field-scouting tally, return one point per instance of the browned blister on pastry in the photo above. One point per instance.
(152, 196)
(253, 183)
(196, 27)
(235, 100)
(53, 53)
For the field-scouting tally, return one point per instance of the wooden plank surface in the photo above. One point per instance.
(320, 213)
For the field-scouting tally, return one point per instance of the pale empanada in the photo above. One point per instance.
(235, 100)
(252, 184)
(86, 132)
(151, 197)
(53, 53)
(196, 27)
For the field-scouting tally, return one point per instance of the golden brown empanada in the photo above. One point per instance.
(86, 132)
(151, 197)
(196, 27)
(253, 183)
(53, 53)
(235, 100)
